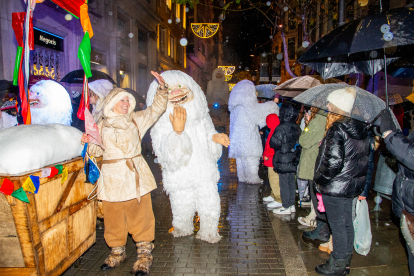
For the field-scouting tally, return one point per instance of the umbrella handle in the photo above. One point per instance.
(376, 118)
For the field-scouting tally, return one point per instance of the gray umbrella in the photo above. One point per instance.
(265, 90)
(366, 106)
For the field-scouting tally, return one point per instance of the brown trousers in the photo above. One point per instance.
(274, 184)
(129, 216)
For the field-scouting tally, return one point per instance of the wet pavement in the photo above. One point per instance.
(254, 240)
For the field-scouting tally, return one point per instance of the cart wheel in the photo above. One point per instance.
(77, 263)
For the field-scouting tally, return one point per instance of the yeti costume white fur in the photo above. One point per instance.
(217, 88)
(246, 116)
(189, 162)
(49, 104)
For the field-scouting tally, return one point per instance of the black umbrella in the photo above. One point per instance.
(78, 75)
(364, 43)
(366, 38)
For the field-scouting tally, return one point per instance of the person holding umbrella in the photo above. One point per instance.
(340, 172)
(403, 191)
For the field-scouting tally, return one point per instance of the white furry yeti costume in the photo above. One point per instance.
(53, 105)
(246, 115)
(189, 162)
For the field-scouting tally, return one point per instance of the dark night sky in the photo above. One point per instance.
(245, 30)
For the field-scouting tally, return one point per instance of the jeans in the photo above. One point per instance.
(339, 214)
(319, 216)
(287, 189)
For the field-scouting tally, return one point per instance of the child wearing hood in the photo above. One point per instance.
(274, 200)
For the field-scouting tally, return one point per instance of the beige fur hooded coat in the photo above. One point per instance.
(121, 139)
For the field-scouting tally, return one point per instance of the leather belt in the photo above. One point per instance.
(131, 166)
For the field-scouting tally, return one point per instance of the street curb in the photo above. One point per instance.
(289, 251)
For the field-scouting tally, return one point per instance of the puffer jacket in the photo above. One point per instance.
(342, 163)
(285, 141)
(272, 121)
(309, 140)
(121, 139)
(403, 190)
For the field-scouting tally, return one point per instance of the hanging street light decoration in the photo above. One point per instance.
(183, 41)
(228, 77)
(204, 30)
(231, 85)
(228, 70)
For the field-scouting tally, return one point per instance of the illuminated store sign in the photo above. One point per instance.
(48, 40)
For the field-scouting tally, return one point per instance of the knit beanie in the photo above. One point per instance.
(343, 98)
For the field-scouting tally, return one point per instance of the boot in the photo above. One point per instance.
(348, 263)
(320, 235)
(333, 267)
(144, 259)
(114, 259)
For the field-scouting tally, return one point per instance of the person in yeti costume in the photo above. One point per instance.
(217, 98)
(217, 88)
(49, 104)
(188, 156)
(246, 117)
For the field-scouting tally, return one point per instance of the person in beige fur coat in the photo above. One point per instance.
(126, 181)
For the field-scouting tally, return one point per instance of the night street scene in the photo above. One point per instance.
(207, 137)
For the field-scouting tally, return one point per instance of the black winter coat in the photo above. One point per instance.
(285, 141)
(403, 190)
(342, 163)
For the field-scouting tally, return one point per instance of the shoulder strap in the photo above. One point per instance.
(139, 135)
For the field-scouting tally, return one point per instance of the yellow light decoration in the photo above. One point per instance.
(228, 77)
(363, 2)
(228, 70)
(231, 85)
(204, 30)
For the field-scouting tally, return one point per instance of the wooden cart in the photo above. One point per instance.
(46, 236)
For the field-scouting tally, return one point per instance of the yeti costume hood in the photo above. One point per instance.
(244, 95)
(54, 104)
(246, 114)
(173, 77)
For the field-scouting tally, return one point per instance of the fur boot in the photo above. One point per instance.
(114, 259)
(144, 259)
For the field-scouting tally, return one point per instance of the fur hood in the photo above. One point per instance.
(243, 94)
(115, 96)
(288, 113)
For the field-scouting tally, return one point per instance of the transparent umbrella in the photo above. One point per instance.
(366, 107)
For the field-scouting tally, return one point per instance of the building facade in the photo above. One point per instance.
(124, 44)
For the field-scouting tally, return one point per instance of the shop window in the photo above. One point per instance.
(46, 62)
